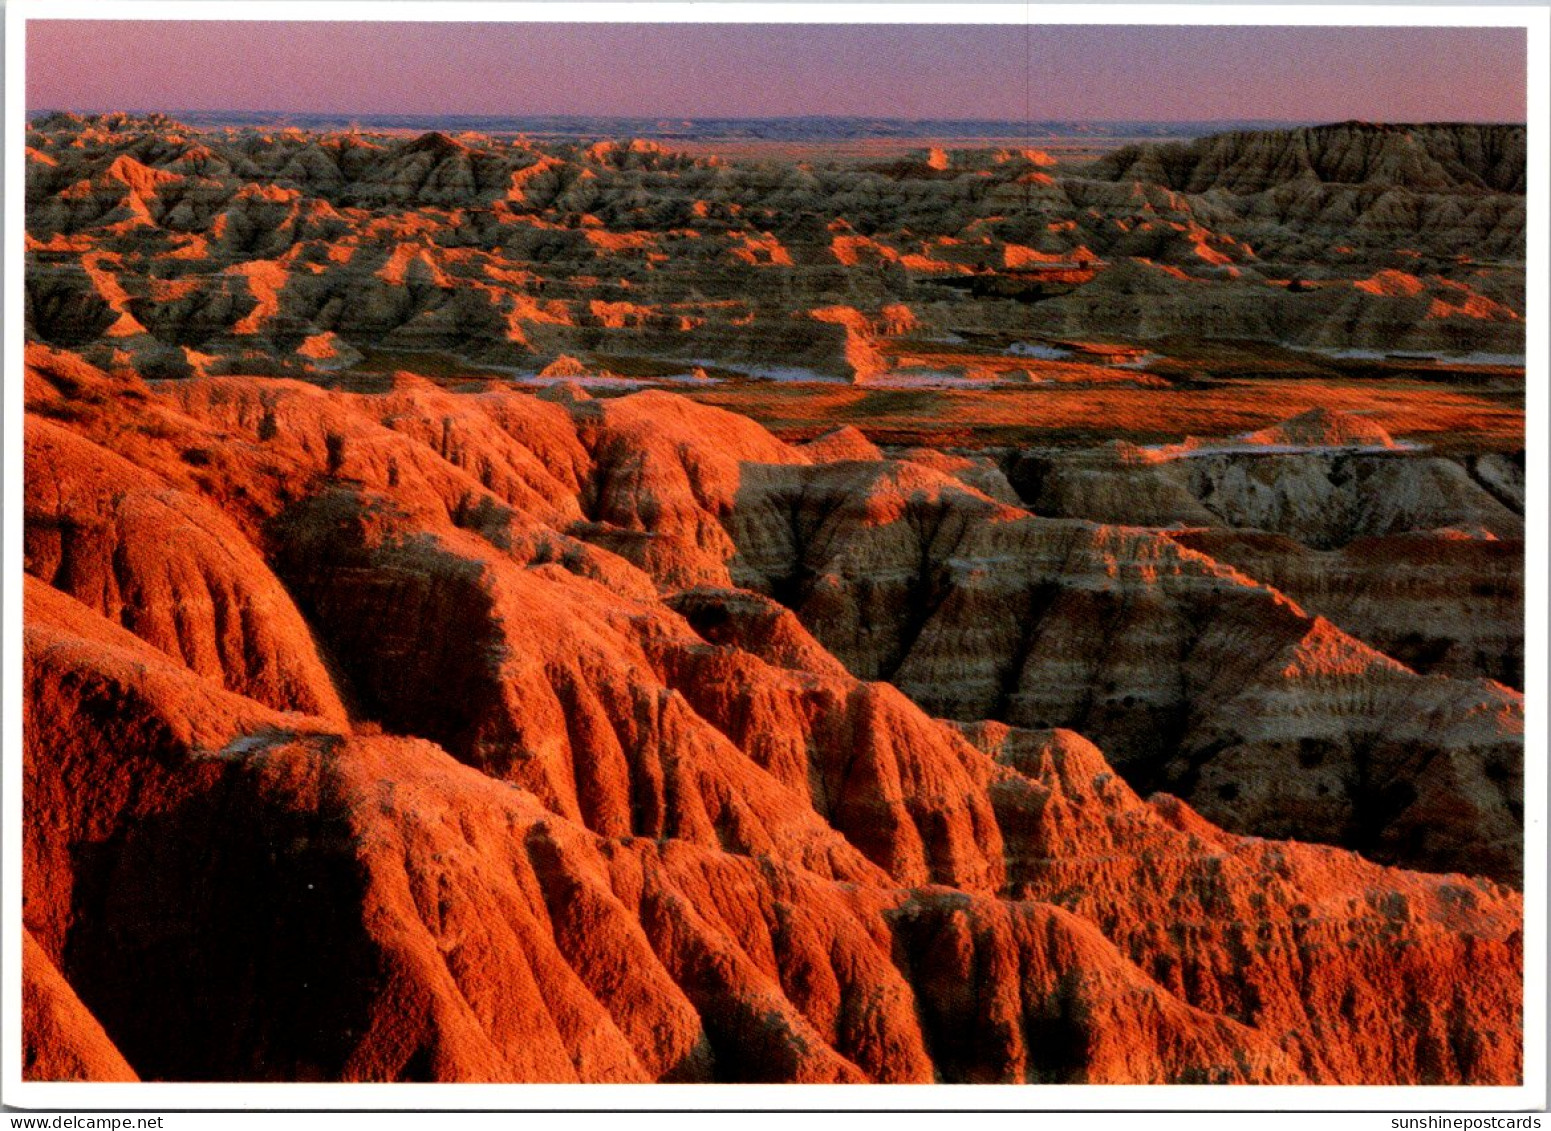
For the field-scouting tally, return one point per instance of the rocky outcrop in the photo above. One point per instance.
(170, 568)
(971, 606)
(460, 931)
(1445, 603)
(292, 253)
(1146, 299)
(1191, 676)
(1416, 553)
(841, 444)
(600, 811)
(1187, 879)
(63, 1040)
(1416, 157)
(1321, 428)
(1322, 498)
(422, 921)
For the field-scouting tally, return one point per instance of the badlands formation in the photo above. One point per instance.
(429, 678)
(185, 253)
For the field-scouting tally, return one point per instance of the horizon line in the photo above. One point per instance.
(691, 118)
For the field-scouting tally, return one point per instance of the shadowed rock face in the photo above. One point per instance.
(1194, 678)
(403, 734)
(1392, 591)
(64, 1041)
(1417, 553)
(1443, 157)
(1324, 498)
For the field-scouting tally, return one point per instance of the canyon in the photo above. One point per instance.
(511, 610)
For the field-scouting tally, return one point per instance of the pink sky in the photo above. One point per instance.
(1092, 72)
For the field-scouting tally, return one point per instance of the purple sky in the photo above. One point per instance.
(1158, 73)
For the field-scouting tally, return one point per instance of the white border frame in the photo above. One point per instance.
(1529, 1096)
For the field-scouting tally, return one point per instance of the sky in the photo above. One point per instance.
(1167, 73)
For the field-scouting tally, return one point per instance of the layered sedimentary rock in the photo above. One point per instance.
(382, 726)
(1324, 497)
(184, 252)
(170, 567)
(442, 926)
(1417, 553)
(1193, 677)
(470, 754)
(447, 927)
(1439, 602)
(1433, 156)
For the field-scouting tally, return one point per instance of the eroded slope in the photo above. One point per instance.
(545, 797)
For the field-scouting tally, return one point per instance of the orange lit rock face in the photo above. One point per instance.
(722, 842)
(381, 728)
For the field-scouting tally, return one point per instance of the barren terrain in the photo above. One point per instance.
(517, 610)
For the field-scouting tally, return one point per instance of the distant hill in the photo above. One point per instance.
(811, 128)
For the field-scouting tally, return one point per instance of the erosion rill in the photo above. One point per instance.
(515, 611)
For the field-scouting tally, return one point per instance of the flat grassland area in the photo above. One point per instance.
(1200, 390)
(1444, 417)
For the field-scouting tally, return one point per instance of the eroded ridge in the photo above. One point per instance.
(189, 251)
(401, 733)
